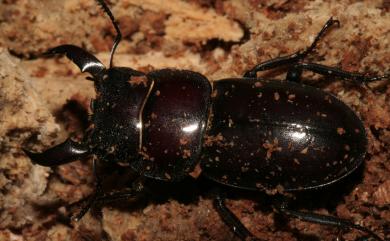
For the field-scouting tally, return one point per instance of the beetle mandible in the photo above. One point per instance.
(248, 133)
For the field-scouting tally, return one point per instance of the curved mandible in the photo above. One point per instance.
(63, 153)
(83, 59)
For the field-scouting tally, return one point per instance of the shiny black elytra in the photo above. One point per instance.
(248, 133)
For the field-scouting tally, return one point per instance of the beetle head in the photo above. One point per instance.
(121, 96)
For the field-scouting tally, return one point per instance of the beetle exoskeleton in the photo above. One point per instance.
(265, 134)
(248, 133)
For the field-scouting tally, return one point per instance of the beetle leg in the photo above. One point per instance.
(119, 195)
(325, 220)
(295, 72)
(84, 60)
(137, 189)
(63, 153)
(97, 193)
(90, 202)
(232, 221)
(290, 59)
(101, 197)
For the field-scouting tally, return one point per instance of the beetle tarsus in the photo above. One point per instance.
(325, 220)
(90, 202)
(295, 72)
(292, 58)
(326, 26)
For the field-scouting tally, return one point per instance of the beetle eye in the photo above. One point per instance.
(92, 104)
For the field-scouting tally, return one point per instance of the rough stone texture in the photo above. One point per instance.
(41, 100)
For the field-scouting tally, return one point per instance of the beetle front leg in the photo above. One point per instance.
(100, 197)
(92, 198)
(325, 220)
(290, 59)
(294, 73)
(232, 221)
(63, 153)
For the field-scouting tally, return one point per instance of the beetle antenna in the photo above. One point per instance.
(116, 26)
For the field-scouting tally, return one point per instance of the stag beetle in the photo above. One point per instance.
(247, 133)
